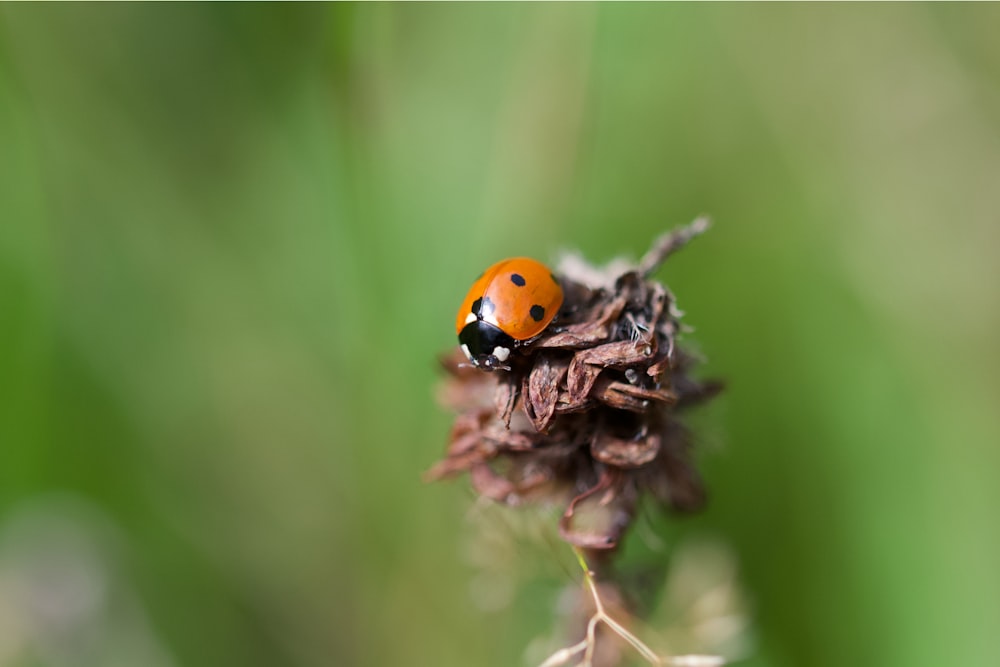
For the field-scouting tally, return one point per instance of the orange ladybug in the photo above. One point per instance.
(510, 303)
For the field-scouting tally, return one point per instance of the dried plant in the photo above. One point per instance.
(588, 409)
(587, 415)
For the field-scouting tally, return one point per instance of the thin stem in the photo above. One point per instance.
(563, 655)
(588, 645)
(601, 615)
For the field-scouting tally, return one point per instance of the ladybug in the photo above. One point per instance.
(510, 303)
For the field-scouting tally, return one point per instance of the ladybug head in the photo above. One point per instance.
(486, 346)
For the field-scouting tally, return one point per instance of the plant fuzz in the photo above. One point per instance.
(587, 415)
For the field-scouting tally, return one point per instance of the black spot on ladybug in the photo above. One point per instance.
(517, 279)
(537, 313)
(487, 308)
(477, 306)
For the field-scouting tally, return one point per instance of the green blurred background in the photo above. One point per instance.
(232, 239)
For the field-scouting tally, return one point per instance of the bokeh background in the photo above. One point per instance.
(232, 239)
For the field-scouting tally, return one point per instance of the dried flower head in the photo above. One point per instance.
(586, 415)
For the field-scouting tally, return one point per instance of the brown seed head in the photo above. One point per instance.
(587, 414)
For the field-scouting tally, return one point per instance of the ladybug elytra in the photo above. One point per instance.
(510, 303)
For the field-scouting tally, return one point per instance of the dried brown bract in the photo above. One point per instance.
(587, 414)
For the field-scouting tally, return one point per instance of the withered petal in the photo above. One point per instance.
(630, 397)
(659, 367)
(470, 451)
(625, 453)
(620, 354)
(568, 405)
(488, 483)
(588, 331)
(510, 441)
(505, 397)
(588, 364)
(616, 527)
(541, 390)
